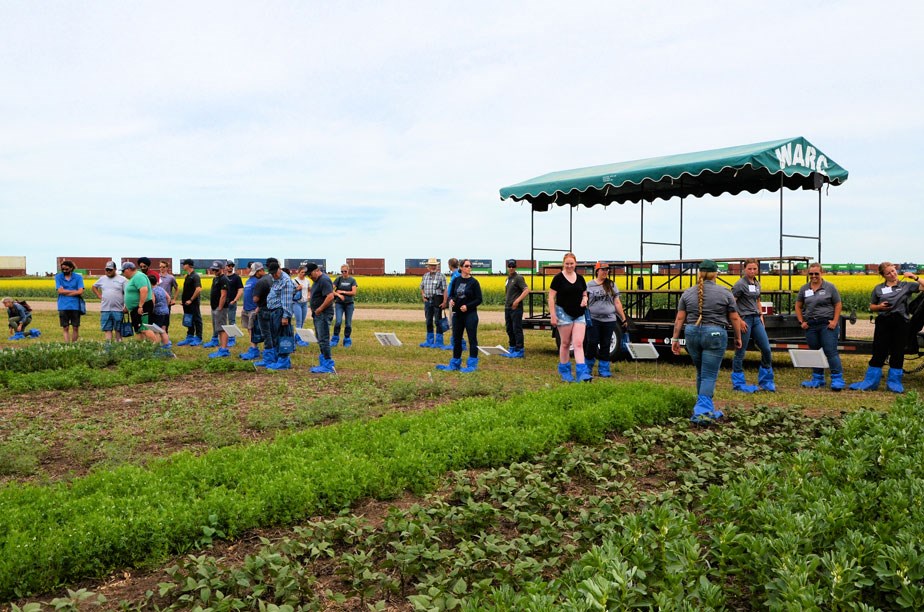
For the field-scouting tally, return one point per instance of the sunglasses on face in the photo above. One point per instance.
(466, 265)
(814, 273)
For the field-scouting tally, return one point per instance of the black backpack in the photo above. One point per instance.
(25, 305)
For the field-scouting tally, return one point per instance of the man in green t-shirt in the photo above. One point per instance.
(139, 300)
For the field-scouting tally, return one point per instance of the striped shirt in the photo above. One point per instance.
(281, 295)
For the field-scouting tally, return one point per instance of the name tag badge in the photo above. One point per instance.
(886, 290)
(809, 293)
(752, 288)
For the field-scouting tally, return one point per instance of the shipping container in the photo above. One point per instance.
(292, 263)
(872, 268)
(418, 264)
(416, 271)
(202, 265)
(13, 262)
(88, 266)
(908, 267)
(242, 264)
(366, 266)
(10, 272)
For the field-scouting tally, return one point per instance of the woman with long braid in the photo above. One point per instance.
(704, 311)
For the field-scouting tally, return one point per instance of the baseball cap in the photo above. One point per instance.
(110, 265)
(216, 265)
(511, 263)
(230, 263)
(128, 266)
(708, 266)
(601, 265)
(254, 268)
(310, 267)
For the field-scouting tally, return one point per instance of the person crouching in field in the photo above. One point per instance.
(19, 317)
(818, 309)
(704, 311)
(890, 300)
(747, 299)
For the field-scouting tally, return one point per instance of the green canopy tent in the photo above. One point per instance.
(792, 163)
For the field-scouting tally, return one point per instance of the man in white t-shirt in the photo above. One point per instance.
(110, 290)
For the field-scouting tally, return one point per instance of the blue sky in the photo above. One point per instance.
(369, 129)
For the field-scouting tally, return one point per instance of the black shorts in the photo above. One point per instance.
(161, 320)
(69, 318)
(139, 319)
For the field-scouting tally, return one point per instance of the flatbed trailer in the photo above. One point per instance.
(792, 163)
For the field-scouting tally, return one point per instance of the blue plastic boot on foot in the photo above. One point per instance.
(269, 356)
(222, 352)
(704, 411)
(251, 353)
(471, 365)
(428, 343)
(232, 342)
(582, 373)
(837, 382)
(326, 366)
(604, 369)
(196, 341)
(816, 382)
(454, 364)
(347, 342)
(738, 383)
(283, 363)
(565, 370)
(870, 382)
(765, 379)
(35, 333)
(334, 340)
(894, 382)
(18, 336)
(211, 343)
(185, 341)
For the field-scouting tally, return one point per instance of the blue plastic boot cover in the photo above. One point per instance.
(739, 384)
(515, 354)
(334, 340)
(196, 341)
(438, 342)
(347, 342)
(870, 382)
(428, 343)
(604, 369)
(185, 341)
(705, 410)
(454, 364)
(471, 365)
(211, 343)
(269, 356)
(590, 364)
(35, 333)
(232, 342)
(894, 382)
(222, 352)
(765, 379)
(582, 372)
(251, 353)
(837, 382)
(283, 363)
(815, 382)
(565, 370)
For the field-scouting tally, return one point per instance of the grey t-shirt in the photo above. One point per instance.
(896, 295)
(818, 304)
(513, 287)
(717, 304)
(113, 290)
(344, 284)
(602, 307)
(747, 296)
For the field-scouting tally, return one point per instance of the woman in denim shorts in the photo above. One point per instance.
(704, 311)
(567, 303)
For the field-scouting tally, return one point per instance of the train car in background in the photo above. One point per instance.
(365, 266)
(12, 266)
(87, 266)
(292, 263)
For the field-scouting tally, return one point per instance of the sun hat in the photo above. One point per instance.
(433, 261)
(708, 266)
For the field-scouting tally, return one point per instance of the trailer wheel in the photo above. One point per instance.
(615, 342)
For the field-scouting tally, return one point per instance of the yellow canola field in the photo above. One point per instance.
(495, 282)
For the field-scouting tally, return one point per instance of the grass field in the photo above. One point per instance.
(124, 419)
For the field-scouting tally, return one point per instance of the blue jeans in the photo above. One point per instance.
(432, 312)
(706, 344)
(819, 336)
(322, 330)
(467, 322)
(300, 311)
(343, 312)
(232, 314)
(277, 329)
(265, 320)
(757, 331)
